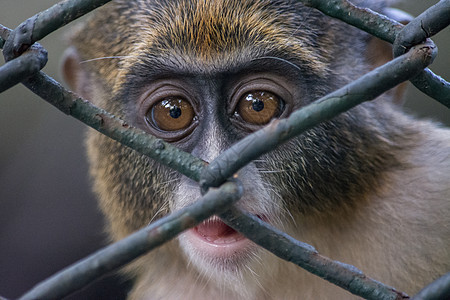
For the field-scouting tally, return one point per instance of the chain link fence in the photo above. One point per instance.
(25, 58)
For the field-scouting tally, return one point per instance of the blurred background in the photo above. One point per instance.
(48, 214)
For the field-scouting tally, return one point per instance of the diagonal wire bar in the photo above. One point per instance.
(363, 18)
(16, 42)
(427, 24)
(437, 290)
(24, 66)
(284, 246)
(124, 251)
(387, 30)
(365, 88)
(424, 26)
(43, 23)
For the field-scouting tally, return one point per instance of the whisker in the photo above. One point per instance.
(279, 59)
(105, 57)
(256, 279)
(272, 171)
(163, 207)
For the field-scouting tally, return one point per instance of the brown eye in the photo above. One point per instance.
(171, 114)
(259, 107)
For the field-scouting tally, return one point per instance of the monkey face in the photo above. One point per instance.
(204, 114)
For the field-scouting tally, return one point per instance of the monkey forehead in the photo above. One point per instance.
(215, 34)
(203, 34)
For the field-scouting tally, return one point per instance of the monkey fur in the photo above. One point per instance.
(369, 188)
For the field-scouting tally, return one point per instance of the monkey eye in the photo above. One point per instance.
(259, 107)
(171, 114)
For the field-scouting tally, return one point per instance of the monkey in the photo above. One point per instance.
(369, 187)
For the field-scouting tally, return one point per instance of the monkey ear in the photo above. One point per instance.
(73, 73)
(380, 52)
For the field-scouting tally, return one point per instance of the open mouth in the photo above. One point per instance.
(216, 232)
(216, 239)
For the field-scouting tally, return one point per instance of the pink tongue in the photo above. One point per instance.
(217, 231)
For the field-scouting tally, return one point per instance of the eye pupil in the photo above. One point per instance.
(257, 105)
(175, 112)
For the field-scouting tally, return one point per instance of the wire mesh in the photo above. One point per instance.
(20, 45)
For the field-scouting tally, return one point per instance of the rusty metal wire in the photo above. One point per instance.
(44, 23)
(437, 290)
(30, 62)
(435, 19)
(216, 201)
